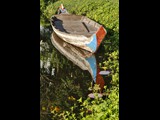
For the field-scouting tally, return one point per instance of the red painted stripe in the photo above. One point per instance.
(100, 35)
(100, 80)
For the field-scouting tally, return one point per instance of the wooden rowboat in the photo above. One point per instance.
(79, 31)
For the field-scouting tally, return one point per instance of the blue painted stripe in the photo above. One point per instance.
(92, 61)
(93, 44)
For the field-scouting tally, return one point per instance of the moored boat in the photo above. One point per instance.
(79, 31)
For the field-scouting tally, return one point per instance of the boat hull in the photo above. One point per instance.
(79, 31)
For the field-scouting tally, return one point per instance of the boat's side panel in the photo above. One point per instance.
(92, 67)
(96, 39)
(93, 44)
(100, 35)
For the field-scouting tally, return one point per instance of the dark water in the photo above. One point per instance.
(60, 78)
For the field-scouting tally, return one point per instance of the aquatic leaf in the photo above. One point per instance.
(104, 68)
(80, 100)
(104, 72)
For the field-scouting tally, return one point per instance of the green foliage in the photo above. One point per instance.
(100, 109)
(43, 5)
(68, 88)
(95, 109)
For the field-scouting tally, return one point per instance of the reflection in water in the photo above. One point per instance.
(60, 78)
(67, 78)
(53, 71)
(82, 58)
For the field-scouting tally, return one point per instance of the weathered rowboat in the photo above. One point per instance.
(82, 58)
(78, 30)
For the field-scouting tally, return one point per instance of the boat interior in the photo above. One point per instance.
(75, 24)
